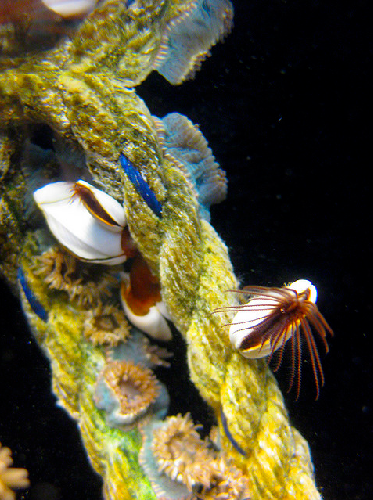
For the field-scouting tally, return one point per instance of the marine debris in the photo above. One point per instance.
(145, 184)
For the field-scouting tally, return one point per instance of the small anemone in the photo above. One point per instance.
(106, 325)
(179, 451)
(125, 391)
(86, 284)
(155, 354)
(180, 465)
(227, 483)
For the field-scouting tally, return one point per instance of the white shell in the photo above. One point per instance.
(244, 323)
(111, 206)
(76, 228)
(153, 323)
(301, 286)
(246, 320)
(70, 8)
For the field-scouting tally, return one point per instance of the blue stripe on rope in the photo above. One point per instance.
(31, 299)
(229, 435)
(141, 186)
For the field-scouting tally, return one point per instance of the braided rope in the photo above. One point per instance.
(195, 273)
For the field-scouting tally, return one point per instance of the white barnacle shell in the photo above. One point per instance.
(262, 314)
(153, 322)
(300, 286)
(70, 8)
(85, 220)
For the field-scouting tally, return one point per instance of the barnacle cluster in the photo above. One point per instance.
(114, 173)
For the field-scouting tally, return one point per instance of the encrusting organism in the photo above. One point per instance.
(125, 390)
(86, 284)
(106, 325)
(142, 301)
(274, 316)
(182, 465)
(10, 478)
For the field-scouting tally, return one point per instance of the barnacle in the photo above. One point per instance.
(70, 8)
(87, 221)
(274, 316)
(142, 302)
(10, 478)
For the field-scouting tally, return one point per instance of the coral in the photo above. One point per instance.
(86, 284)
(10, 478)
(126, 391)
(156, 355)
(185, 145)
(106, 325)
(227, 483)
(112, 452)
(188, 39)
(180, 463)
(180, 452)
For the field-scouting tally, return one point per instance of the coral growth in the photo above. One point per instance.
(10, 478)
(86, 284)
(181, 465)
(106, 325)
(126, 391)
(180, 452)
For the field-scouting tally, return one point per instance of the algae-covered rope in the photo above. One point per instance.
(195, 272)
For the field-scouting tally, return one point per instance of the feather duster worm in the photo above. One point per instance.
(271, 317)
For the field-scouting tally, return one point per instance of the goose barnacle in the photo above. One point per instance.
(271, 317)
(70, 8)
(142, 302)
(86, 221)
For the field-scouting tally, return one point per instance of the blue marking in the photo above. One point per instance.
(141, 186)
(229, 435)
(31, 299)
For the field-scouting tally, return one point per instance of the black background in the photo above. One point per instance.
(284, 105)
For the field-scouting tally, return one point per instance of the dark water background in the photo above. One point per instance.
(284, 105)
